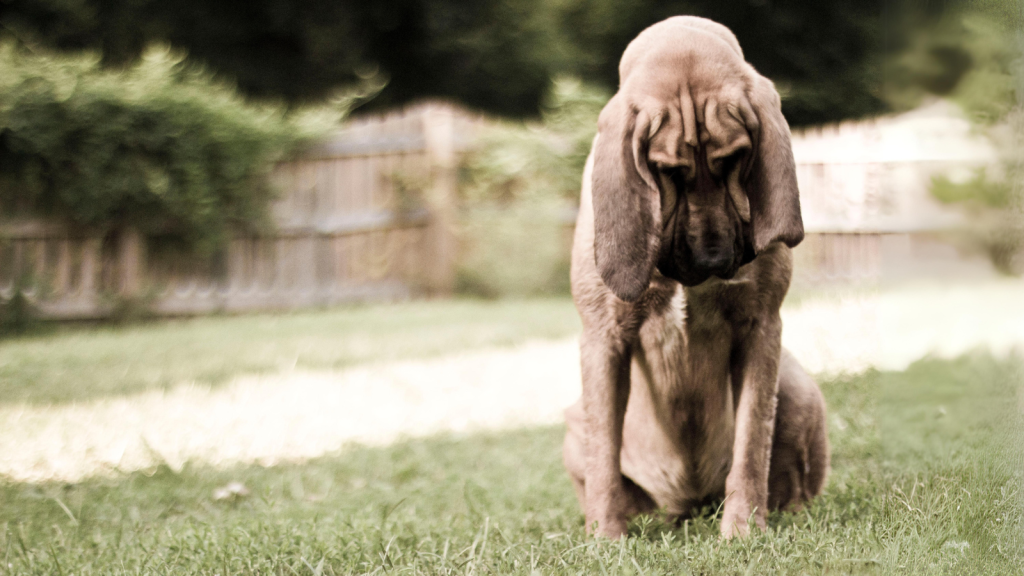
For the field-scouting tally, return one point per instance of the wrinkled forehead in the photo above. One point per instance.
(696, 92)
(691, 124)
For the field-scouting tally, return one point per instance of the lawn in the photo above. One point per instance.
(927, 469)
(81, 363)
(926, 480)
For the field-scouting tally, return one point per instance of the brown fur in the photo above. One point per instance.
(680, 263)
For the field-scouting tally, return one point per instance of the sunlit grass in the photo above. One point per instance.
(926, 480)
(76, 364)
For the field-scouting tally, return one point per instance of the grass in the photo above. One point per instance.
(81, 363)
(926, 480)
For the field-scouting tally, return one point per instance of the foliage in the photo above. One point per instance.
(993, 206)
(514, 250)
(18, 315)
(823, 56)
(518, 190)
(969, 56)
(979, 191)
(984, 38)
(495, 55)
(925, 480)
(542, 160)
(161, 145)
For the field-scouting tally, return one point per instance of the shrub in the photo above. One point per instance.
(161, 145)
(989, 94)
(17, 314)
(519, 189)
(519, 249)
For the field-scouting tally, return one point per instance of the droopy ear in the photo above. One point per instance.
(771, 182)
(627, 204)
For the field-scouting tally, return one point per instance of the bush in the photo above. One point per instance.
(993, 207)
(519, 190)
(520, 249)
(161, 145)
(17, 315)
(989, 94)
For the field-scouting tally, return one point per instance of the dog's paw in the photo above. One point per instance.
(738, 517)
(735, 527)
(612, 528)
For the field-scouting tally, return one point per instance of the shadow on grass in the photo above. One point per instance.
(926, 479)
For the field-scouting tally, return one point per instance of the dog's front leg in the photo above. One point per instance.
(756, 377)
(605, 357)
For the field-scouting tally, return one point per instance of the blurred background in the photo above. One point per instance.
(176, 158)
(237, 234)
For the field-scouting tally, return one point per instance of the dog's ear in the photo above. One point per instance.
(627, 204)
(771, 181)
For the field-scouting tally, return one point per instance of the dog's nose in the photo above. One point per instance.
(714, 258)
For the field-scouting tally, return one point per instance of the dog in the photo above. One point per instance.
(680, 262)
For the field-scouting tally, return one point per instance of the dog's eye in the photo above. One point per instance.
(724, 166)
(732, 160)
(677, 174)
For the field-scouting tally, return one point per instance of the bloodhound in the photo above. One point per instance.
(681, 260)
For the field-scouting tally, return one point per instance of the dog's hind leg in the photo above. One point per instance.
(800, 450)
(574, 454)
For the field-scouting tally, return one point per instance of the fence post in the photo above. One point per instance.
(439, 138)
(90, 267)
(129, 262)
(62, 276)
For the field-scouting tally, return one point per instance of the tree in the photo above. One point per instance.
(492, 55)
(826, 56)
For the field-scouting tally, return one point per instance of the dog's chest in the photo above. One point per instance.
(688, 344)
(686, 362)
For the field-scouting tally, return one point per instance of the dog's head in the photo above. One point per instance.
(693, 169)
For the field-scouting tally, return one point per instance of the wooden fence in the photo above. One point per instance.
(370, 214)
(865, 193)
(367, 215)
